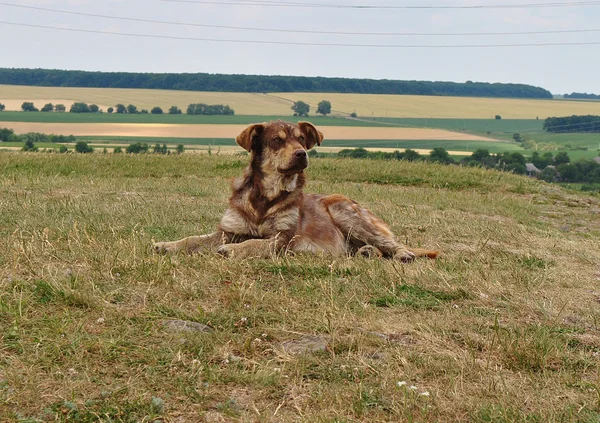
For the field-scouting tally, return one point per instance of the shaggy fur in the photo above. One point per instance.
(268, 211)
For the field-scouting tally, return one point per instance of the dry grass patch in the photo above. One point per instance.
(503, 327)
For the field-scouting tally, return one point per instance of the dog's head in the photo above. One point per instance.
(280, 146)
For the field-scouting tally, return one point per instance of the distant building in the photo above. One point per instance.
(531, 170)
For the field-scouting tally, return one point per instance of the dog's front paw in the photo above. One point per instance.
(404, 255)
(369, 251)
(163, 247)
(227, 250)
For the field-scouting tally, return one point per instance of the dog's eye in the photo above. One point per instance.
(301, 137)
(277, 139)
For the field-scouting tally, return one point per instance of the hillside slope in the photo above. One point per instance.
(503, 327)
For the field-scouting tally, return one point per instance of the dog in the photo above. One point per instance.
(269, 213)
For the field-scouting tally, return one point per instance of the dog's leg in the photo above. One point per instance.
(194, 244)
(360, 226)
(253, 248)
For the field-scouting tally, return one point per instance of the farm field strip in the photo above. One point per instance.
(416, 106)
(365, 105)
(231, 131)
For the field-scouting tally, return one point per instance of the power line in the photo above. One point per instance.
(302, 43)
(374, 7)
(291, 31)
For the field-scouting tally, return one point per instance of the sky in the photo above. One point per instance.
(560, 69)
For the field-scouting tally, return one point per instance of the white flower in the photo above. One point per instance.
(100, 320)
(413, 388)
(425, 394)
(400, 383)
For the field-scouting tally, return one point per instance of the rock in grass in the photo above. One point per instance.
(186, 326)
(306, 344)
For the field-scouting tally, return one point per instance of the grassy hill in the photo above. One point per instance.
(502, 328)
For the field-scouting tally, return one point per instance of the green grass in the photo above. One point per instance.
(166, 118)
(509, 311)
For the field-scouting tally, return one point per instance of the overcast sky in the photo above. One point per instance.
(561, 69)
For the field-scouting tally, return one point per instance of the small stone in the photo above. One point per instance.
(157, 404)
(100, 320)
(306, 344)
(186, 326)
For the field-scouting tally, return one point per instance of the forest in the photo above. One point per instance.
(263, 83)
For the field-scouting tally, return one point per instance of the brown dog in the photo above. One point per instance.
(269, 213)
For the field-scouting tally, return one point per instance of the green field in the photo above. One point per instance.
(508, 312)
(169, 119)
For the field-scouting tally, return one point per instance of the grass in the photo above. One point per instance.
(170, 119)
(509, 312)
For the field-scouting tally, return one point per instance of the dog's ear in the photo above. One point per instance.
(313, 136)
(244, 139)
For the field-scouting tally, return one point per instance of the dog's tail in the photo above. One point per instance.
(421, 252)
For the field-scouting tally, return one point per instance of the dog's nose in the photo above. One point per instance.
(300, 154)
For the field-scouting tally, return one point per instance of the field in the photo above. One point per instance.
(365, 105)
(502, 328)
(460, 125)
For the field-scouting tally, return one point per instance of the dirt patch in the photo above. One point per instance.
(231, 131)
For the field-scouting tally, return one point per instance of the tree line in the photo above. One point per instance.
(583, 96)
(575, 123)
(263, 83)
(551, 168)
(80, 107)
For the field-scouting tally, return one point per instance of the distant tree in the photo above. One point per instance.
(63, 149)
(174, 110)
(6, 134)
(549, 174)
(47, 108)
(110, 110)
(104, 151)
(131, 109)
(412, 155)
(94, 108)
(29, 146)
(117, 150)
(60, 108)
(498, 117)
(156, 111)
(144, 111)
(353, 114)
(83, 147)
(542, 161)
(512, 162)
(209, 109)
(121, 108)
(324, 107)
(160, 149)
(28, 106)
(517, 137)
(300, 108)
(440, 155)
(79, 107)
(561, 158)
(355, 153)
(137, 148)
(180, 148)
(2, 107)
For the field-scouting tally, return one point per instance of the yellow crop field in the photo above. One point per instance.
(278, 104)
(416, 106)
